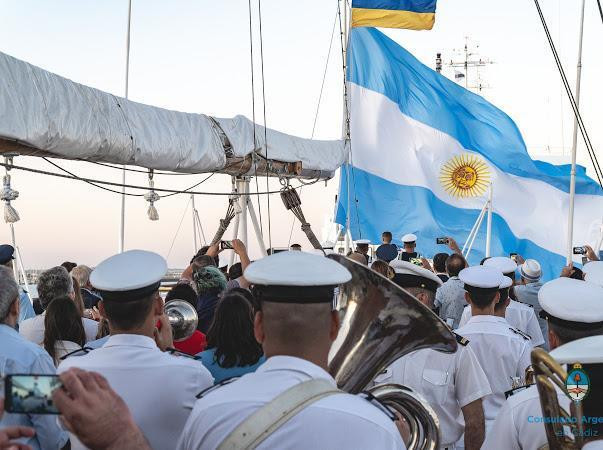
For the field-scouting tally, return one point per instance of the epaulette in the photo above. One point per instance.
(378, 404)
(176, 352)
(526, 336)
(83, 350)
(512, 392)
(216, 386)
(523, 303)
(460, 339)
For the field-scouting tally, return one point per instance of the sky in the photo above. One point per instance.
(194, 56)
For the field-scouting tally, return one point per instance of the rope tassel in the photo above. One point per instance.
(8, 194)
(152, 197)
(293, 203)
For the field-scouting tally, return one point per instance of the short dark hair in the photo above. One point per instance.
(69, 265)
(184, 292)
(387, 235)
(62, 323)
(454, 264)
(235, 271)
(439, 262)
(231, 333)
(202, 251)
(296, 246)
(128, 314)
(481, 297)
(566, 333)
(481, 263)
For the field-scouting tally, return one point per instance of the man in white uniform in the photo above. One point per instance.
(502, 351)
(519, 315)
(159, 388)
(516, 426)
(452, 383)
(296, 326)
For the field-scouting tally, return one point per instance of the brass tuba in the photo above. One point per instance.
(549, 374)
(380, 322)
(183, 318)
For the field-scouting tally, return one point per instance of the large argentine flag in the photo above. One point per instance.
(424, 151)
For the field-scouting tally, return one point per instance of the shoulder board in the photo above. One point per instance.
(460, 339)
(512, 392)
(526, 336)
(525, 304)
(216, 386)
(175, 352)
(464, 306)
(378, 404)
(78, 352)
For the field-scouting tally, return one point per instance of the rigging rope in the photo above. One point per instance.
(130, 186)
(178, 230)
(265, 124)
(587, 142)
(293, 203)
(133, 170)
(600, 10)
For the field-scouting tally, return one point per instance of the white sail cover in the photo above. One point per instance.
(69, 120)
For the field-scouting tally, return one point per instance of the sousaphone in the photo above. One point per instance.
(380, 322)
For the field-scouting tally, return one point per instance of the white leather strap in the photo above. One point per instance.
(270, 417)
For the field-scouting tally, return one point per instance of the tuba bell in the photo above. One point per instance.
(548, 374)
(183, 319)
(380, 322)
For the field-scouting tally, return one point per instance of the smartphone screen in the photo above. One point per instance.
(30, 394)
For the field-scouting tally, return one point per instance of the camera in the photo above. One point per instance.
(442, 240)
(513, 256)
(225, 245)
(579, 250)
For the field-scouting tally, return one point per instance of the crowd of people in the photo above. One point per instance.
(255, 371)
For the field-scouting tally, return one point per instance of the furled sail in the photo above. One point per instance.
(55, 116)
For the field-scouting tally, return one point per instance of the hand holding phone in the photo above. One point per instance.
(30, 394)
(442, 241)
(580, 250)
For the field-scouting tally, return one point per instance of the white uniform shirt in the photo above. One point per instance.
(337, 421)
(519, 316)
(519, 425)
(502, 352)
(159, 388)
(33, 329)
(448, 381)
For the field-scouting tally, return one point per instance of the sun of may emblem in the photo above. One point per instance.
(465, 175)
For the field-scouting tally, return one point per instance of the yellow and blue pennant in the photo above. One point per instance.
(409, 14)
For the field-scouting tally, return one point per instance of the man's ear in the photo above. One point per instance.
(468, 298)
(554, 341)
(158, 306)
(15, 307)
(258, 327)
(335, 325)
(497, 297)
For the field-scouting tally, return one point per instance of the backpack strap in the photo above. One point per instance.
(270, 417)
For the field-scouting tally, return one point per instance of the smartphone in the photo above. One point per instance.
(513, 256)
(416, 261)
(579, 251)
(225, 245)
(442, 240)
(30, 394)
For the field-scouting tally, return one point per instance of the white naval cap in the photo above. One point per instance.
(129, 275)
(410, 275)
(506, 283)
(572, 300)
(530, 270)
(296, 277)
(502, 263)
(587, 350)
(482, 277)
(362, 242)
(593, 272)
(409, 238)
